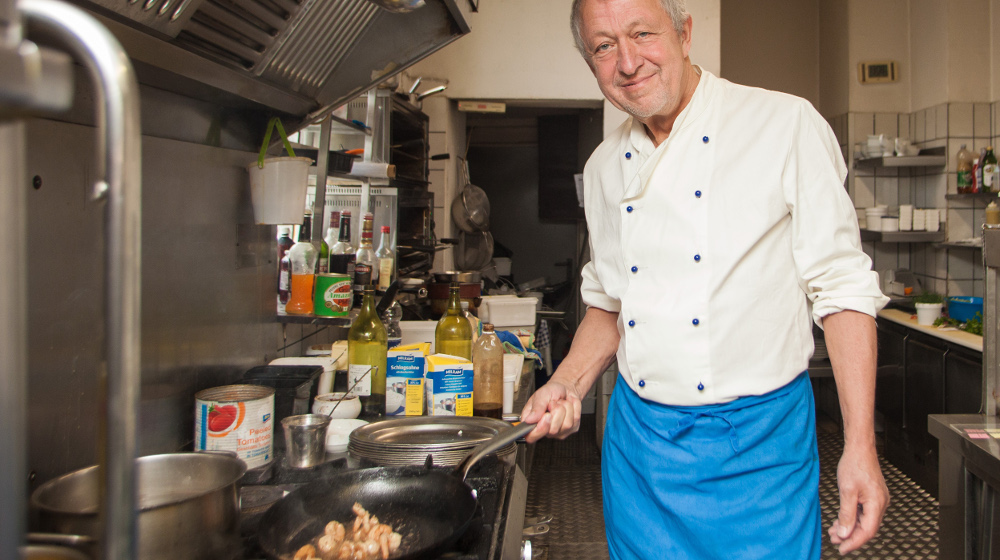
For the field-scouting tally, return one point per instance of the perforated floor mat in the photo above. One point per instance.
(566, 483)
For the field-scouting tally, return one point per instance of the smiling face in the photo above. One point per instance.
(638, 58)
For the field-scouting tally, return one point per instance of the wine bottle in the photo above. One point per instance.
(342, 252)
(367, 346)
(991, 172)
(284, 266)
(453, 334)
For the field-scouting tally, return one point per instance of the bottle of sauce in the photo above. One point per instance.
(386, 261)
(342, 252)
(487, 381)
(302, 258)
(453, 334)
(991, 173)
(963, 165)
(365, 261)
(284, 266)
(367, 347)
(992, 213)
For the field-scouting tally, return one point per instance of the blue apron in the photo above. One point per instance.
(738, 480)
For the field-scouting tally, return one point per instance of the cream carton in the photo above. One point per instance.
(448, 386)
(404, 379)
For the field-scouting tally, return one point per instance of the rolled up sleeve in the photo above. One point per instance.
(834, 272)
(593, 293)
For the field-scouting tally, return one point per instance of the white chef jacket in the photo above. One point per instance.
(719, 247)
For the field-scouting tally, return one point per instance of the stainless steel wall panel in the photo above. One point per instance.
(208, 293)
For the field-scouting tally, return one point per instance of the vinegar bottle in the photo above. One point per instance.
(365, 262)
(991, 172)
(302, 257)
(367, 347)
(453, 334)
(487, 381)
(342, 252)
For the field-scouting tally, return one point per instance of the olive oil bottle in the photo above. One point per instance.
(367, 346)
(453, 334)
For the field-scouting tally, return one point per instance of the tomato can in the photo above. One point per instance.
(333, 295)
(238, 418)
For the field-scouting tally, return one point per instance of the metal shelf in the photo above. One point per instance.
(314, 320)
(901, 161)
(902, 236)
(984, 196)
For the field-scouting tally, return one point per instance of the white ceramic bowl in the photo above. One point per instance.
(338, 434)
(350, 407)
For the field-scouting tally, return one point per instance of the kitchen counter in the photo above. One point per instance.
(968, 481)
(961, 338)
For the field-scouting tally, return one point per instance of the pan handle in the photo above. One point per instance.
(483, 449)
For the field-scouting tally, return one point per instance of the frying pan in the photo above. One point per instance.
(431, 509)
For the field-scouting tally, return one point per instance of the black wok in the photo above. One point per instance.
(431, 509)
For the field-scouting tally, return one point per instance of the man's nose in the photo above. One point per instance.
(629, 59)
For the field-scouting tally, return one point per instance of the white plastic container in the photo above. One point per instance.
(927, 313)
(890, 223)
(278, 190)
(418, 331)
(512, 364)
(508, 311)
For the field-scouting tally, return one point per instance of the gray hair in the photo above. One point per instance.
(674, 8)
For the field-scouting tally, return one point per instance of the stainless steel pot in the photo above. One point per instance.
(450, 276)
(188, 505)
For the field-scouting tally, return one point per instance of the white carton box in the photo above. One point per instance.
(508, 311)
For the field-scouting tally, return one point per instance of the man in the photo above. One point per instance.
(720, 231)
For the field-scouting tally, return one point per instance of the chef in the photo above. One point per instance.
(720, 231)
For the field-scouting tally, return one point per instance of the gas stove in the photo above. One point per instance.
(493, 534)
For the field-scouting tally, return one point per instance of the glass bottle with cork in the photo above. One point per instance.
(453, 334)
(342, 252)
(365, 261)
(487, 381)
(367, 348)
(302, 258)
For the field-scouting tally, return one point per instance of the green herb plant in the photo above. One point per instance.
(972, 326)
(928, 297)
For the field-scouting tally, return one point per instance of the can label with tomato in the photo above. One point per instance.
(237, 418)
(333, 295)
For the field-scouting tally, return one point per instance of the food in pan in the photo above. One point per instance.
(366, 539)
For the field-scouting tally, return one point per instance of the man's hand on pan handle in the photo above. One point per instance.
(555, 408)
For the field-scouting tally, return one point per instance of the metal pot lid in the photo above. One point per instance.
(429, 433)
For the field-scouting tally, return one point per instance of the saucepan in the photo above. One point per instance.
(430, 508)
(188, 502)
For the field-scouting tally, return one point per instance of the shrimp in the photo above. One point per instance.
(370, 548)
(305, 553)
(327, 545)
(336, 530)
(346, 551)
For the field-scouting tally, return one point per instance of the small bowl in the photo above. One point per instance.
(350, 407)
(339, 433)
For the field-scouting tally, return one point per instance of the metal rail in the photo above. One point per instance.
(119, 185)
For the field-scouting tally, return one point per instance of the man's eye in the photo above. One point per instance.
(643, 34)
(603, 47)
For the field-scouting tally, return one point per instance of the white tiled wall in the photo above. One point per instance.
(954, 271)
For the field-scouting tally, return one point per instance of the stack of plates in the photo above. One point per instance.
(408, 441)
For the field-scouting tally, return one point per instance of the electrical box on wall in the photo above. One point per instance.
(878, 72)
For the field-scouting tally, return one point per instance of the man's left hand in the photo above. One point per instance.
(863, 498)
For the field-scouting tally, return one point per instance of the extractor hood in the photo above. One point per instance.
(297, 57)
